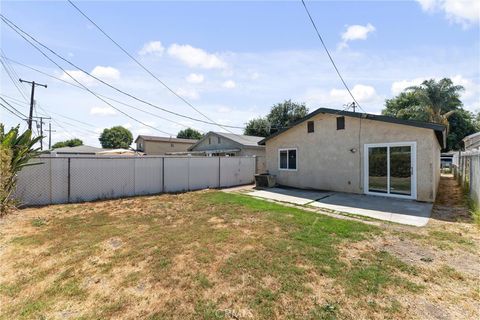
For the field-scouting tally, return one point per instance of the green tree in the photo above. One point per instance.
(68, 143)
(116, 137)
(258, 127)
(438, 100)
(189, 133)
(15, 152)
(282, 115)
(434, 101)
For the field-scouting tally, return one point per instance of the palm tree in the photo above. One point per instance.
(438, 100)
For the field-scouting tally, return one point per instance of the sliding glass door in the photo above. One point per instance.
(390, 169)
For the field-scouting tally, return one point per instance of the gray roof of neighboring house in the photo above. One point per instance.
(165, 139)
(439, 129)
(243, 140)
(248, 141)
(472, 141)
(78, 149)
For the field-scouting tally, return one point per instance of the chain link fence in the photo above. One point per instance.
(467, 171)
(77, 179)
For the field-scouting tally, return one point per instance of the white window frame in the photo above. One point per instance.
(413, 159)
(296, 159)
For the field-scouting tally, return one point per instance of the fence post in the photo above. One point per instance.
(163, 174)
(68, 181)
(219, 171)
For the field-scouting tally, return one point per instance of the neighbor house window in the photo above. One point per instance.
(340, 123)
(287, 159)
(310, 126)
(218, 139)
(209, 140)
(172, 145)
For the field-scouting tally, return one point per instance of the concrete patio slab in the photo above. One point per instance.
(296, 196)
(407, 212)
(401, 211)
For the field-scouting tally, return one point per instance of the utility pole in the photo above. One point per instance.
(33, 83)
(50, 135)
(40, 126)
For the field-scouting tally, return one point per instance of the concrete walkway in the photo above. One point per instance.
(383, 208)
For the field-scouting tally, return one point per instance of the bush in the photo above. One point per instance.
(15, 152)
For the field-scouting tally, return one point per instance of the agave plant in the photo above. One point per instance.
(15, 152)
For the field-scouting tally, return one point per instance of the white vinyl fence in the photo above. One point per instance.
(77, 179)
(468, 172)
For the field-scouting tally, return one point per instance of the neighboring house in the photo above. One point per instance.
(358, 153)
(152, 145)
(78, 151)
(472, 141)
(229, 144)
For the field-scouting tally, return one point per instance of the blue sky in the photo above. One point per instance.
(234, 60)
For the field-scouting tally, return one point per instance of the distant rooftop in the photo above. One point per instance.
(249, 141)
(165, 139)
(78, 150)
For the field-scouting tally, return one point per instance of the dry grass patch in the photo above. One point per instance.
(206, 255)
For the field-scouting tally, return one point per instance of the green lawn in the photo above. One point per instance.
(202, 255)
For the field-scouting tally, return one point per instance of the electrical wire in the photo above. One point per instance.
(12, 79)
(329, 55)
(101, 95)
(86, 88)
(19, 31)
(22, 117)
(145, 68)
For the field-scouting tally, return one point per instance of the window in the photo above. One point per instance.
(310, 126)
(172, 145)
(218, 140)
(140, 146)
(287, 159)
(209, 140)
(340, 123)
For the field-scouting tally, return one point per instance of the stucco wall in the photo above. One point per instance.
(325, 160)
(259, 153)
(161, 147)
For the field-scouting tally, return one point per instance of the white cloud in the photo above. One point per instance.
(195, 78)
(188, 93)
(152, 47)
(464, 12)
(224, 109)
(103, 111)
(229, 84)
(471, 89)
(104, 73)
(399, 86)
(362, 93)
(196, 57)
(356, 32)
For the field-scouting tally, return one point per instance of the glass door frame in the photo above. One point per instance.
(413, 161)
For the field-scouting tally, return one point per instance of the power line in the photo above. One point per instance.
(12, 69)
(101, 95)
(12, 79)
(329, 55)
(17, 29)
(15, 109)
(12, 112)
(73, 78)
(145, 68)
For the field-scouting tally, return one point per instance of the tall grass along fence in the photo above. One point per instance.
(467, 171)
(77, 179)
